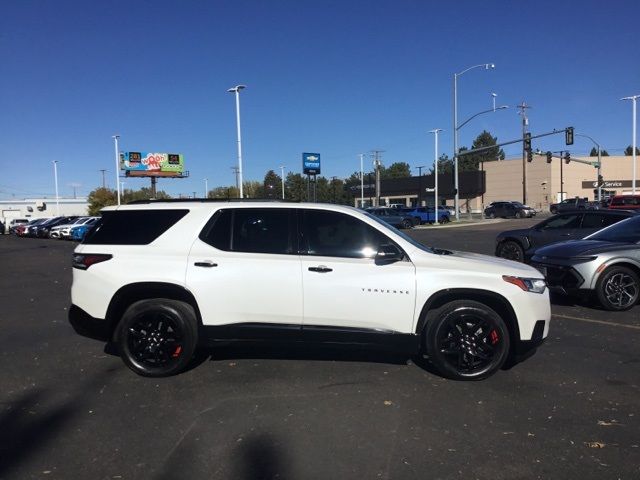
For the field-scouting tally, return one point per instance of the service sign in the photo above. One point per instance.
(311, 163)
(152, 162)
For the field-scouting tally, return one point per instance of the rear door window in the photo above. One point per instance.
(252, 230)
(133, 227)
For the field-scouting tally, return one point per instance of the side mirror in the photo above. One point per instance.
(387, 254)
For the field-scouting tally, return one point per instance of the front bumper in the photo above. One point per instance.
(560, 278)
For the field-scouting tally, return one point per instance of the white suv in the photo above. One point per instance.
(160, 278)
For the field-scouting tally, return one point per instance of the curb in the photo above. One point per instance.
(459, 223)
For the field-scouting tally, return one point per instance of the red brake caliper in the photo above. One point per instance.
(177, 351)
(494, 337)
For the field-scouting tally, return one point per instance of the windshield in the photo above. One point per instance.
(626, 231)
(401, 234)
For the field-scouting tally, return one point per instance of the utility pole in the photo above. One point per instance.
(525, 123)
(235, 171)
(376, 164)
(104, 185)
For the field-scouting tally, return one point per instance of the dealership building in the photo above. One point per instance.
(32, 208)
(503, 180)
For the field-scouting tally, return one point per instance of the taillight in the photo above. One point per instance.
(83, 261)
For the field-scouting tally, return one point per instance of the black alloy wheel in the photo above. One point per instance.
(618, 288)
(407, 224)
(466, 340)
(157, 337)
(511, 250)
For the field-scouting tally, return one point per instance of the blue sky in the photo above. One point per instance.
(335, 77)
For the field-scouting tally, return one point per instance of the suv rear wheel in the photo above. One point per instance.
(157, 337)
(466, 340)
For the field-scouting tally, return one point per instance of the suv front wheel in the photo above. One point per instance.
(466, 340)
(157, 337)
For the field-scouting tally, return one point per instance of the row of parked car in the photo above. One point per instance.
(409, 217)
(63, 227)
(587, 253)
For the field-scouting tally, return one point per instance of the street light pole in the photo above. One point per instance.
(115, 141)
(282, 179)
(634, 99)
(55, 177)
(206, 188)
(362, 180)
(486, 66)
(236, 90)
(599, 162)
(419, 185)
(435, 173)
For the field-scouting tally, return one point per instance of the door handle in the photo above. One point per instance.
(320, 269)
(207, 264)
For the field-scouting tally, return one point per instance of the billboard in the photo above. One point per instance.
(311, 163)
(152, 164)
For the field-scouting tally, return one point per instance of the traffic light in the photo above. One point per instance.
(600, 181)
(529, 156)
(567, 158)
(527, 142)
(549, 157)
(568, 136)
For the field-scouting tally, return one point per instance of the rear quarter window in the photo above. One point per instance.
(132, 227)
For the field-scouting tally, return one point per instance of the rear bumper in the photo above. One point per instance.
(88, 326)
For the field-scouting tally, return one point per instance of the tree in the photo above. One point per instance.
(100, 198)
(594, 153)
(225, 192)
(629, 151)
(253, 189)
(445, 165)
(295, 187)
(396, 170)
(272, 185)
(471, 162)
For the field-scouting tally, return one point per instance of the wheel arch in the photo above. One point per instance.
(134, 292)
(620, 263)
(494, 300)
(519, 240)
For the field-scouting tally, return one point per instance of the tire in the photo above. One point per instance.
(492, 215)
(618, 288)
(466, 340)
(511, 250)
(406, 224)
(157, 337)
(518, 215)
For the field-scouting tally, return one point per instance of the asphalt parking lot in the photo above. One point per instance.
(70, 410)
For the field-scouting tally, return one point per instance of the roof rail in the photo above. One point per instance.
(209, 200)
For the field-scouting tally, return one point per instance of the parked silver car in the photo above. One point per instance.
(606, 263)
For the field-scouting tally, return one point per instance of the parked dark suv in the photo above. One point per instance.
(506, 210)
(520, 244)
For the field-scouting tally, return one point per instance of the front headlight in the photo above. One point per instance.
(535, 285)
